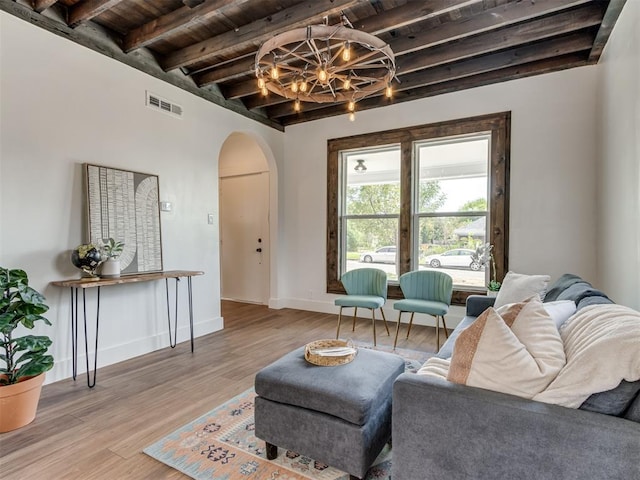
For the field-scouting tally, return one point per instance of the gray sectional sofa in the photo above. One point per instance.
(443, 430)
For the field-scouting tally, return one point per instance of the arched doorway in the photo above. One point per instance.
(245, 240)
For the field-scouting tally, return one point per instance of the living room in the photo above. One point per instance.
(575, 163)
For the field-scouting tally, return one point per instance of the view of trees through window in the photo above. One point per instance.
(449, 207)
(420, 197)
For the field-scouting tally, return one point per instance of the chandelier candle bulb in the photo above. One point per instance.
(294, 86)
(264, 91)
(347, 83)
(296, 105)
(346, 53)
(388, 91)
(261, 83)
(303, 86)
(351, 106)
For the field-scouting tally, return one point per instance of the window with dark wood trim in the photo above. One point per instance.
(496, 126)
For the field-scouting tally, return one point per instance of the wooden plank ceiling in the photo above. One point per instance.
(208, 47)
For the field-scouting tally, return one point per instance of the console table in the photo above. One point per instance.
(87, 283)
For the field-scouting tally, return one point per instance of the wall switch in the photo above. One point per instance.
(210, 219)
(166, 206)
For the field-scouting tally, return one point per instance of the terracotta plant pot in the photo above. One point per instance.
(19, 402)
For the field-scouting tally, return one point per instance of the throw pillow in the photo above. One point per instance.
(560, 311)
(517, 287)
(518, 352)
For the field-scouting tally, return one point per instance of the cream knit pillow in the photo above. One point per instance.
(517, 287)
(518, 351)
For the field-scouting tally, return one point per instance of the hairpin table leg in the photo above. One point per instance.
(90, 383)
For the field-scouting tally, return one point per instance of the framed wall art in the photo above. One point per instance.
(124, 205)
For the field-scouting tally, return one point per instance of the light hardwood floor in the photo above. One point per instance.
(99, 433)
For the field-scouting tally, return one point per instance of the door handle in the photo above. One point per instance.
(258, 250)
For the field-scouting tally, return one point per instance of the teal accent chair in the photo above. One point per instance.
(425, 291)
(366, 288)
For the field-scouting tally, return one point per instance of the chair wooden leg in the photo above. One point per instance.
(373, 318)
(355, 312)
(395, 342)
(437, 333)
(410, 324)
(385, 320)
(339, 319)
(444, 324)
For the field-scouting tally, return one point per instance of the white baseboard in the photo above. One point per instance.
(117, 353)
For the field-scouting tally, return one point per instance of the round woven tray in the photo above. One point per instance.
(329, 353)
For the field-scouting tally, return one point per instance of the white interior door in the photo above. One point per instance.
(244, 237)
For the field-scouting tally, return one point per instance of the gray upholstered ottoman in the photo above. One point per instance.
(338, 415)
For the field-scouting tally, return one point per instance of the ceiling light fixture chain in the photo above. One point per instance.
(325, 64)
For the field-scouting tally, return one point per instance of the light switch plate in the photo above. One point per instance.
(210, 219)
(166, 206)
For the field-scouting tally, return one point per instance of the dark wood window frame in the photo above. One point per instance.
(497, 124)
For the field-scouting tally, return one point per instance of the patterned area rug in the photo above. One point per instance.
(221, 445)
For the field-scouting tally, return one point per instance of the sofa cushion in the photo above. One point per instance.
(613, 402)
(633, 412)
(517, 287)
(515, 350)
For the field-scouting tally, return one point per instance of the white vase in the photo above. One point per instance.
(492, 293)
(111, 268)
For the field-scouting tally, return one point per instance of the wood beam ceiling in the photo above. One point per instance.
(259, 31)
(509, 37)
(491, 19)
(177, 21)
(41, 5)
(374, 24)
(88, 9)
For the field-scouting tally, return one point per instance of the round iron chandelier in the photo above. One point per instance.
(325, 64)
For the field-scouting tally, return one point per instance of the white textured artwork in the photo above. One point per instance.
(123, 205)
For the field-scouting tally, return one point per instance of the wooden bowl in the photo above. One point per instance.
(329, 353)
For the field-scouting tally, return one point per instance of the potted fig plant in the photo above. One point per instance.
(111, 250)
(23, 359)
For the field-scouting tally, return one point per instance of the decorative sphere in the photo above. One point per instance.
(87, 258)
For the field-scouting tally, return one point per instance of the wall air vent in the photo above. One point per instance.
(159, 103)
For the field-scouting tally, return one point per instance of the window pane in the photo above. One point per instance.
(373, 188)
(446, 244)
(372, 243)
(453, 174)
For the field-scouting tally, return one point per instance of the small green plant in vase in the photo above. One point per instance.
(23, 360)
(111, 249)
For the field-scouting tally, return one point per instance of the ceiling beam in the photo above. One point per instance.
(509, 37)
(488, 78)
(41, 5)
(491, 19)
(512, 36)
(85, 11)
(412, 12)
(577, 42)
(256, 32)
(175, 22)
(609, 20)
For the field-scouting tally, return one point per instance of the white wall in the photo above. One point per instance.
(553, 155)
(619, 160)
(63, 105)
